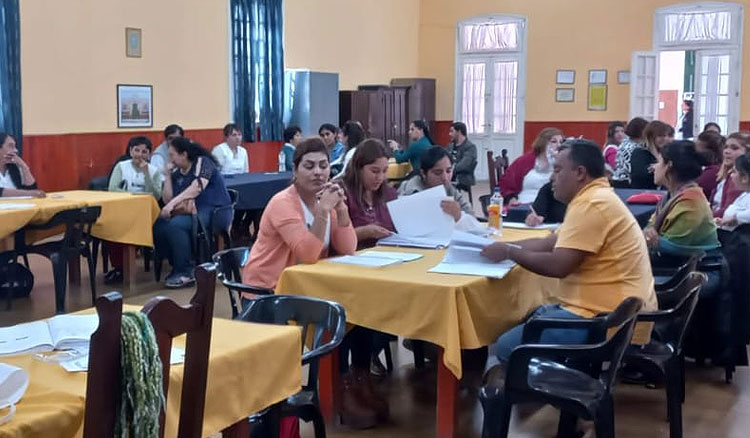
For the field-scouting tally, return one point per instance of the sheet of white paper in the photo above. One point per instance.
(420, 214)
(402, 256)
(13, 198)
(470, 239)
(15, 206)
(13, 383)
(492, 270)
(364, 261)
(176, 356)
(523, 226)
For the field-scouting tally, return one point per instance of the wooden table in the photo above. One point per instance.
(453, 311)
(125, 218)
(251, 367)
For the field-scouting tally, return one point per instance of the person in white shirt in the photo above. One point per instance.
(738, 212)
(352, 134)
(160, 157)
(132, 175)
(230, 155)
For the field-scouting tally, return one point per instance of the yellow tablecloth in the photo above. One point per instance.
(125, 218)
(398, 170)
(251, 367)
(453, 311)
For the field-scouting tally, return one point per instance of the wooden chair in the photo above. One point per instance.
(169, 320)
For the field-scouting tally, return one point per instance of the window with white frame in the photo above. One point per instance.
(488, 69)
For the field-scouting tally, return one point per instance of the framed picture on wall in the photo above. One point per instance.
(597, 97)
(565, 95)
(566, 77)
(135, 106)
(597, 77)
(132, 42)
(623, 77)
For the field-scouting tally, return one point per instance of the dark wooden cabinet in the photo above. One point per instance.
(386, 111)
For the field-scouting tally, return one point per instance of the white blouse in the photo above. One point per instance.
(310, 218)
(739, 208)
(532, 182)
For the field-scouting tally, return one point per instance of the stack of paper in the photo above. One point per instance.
(376, 259)
(420, 220)
(523, 226)
(463, 257)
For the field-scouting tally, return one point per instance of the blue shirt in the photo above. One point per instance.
(336, 151)
(413, 153)
(213, 195)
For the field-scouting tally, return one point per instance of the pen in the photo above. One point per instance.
(532, 209)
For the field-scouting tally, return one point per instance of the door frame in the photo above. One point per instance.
(519, 54)
(733, 45)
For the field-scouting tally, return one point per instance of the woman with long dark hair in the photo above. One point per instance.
(15, 176)
(192, 185)
(615, 136)
(657, 134)
(419, 135)
(352, 135)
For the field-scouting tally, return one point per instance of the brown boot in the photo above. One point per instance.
(372, 397)
(356, 412)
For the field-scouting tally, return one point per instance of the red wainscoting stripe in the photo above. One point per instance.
(69, 161)
(744, 126)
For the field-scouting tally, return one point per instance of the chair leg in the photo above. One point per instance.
(388, 357)
(496, 421)
(95, 253)
(682, 378)
(147, 253)
(319, 424)
(60, 275)
(566, 427)
(674, 401)
(92, 276)
(418, 349)
(605, 419)
(26, 261)
(728, 374)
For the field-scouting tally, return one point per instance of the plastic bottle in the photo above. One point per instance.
(494, 210)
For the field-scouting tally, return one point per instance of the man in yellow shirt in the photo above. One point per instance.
(599, 252)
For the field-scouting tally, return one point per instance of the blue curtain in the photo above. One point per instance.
(10, 70)
(258, 51)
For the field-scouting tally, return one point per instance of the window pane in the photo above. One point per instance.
(700, 26)
(472, 105)
(724, 84)
(489, 37)
(504, 97)
(723, 107)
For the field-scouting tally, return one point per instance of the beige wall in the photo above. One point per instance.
(73, 55)
(365, 41)
(570, 34)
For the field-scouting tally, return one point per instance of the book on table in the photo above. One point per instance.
(61, 332)
(464, 258)
(420, 220)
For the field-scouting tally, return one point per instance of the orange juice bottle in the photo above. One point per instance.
(494, 210)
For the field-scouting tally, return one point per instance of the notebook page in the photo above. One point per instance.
(25, 338)
(68, 331)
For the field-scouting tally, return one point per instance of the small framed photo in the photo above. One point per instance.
(597, 77)
(623, 77)
(565, 95)
(132, 42)
(135, 106)
(566, 77)
(597, 97)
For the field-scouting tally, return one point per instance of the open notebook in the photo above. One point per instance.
(420, 220)
(376, 259)
(463, 258)
(57, 333)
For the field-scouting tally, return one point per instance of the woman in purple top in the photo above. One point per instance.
(710, 146)
(367, 192)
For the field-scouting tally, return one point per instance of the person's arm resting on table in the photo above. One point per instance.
(540, 256)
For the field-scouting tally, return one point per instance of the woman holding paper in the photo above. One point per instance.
(367, 193)
(437, 170)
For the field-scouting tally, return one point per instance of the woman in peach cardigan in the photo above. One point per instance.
(302, 222)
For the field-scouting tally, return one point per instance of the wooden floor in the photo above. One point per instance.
(713, 409)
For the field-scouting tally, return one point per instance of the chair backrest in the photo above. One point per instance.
(611, 351)
(229, 264)
(234, 196)
(169, 320)
(99, 183)
(326, 319)
(491, 170)
(677, 306)
(682, 270)
(77, 223)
